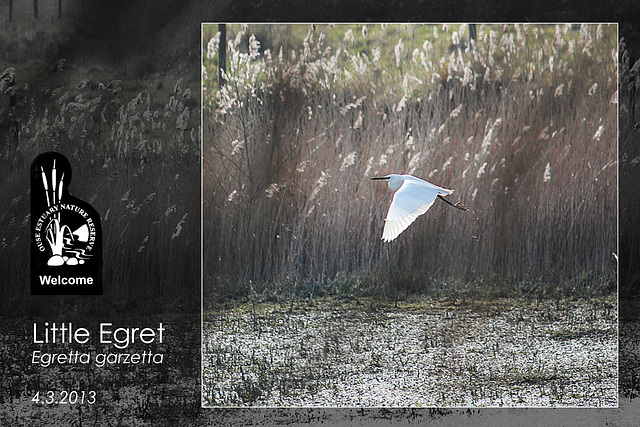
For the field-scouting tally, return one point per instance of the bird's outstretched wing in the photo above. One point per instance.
(409, 202)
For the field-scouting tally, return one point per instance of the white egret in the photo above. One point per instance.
(413, 197)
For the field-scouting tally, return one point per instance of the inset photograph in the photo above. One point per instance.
(410, 215)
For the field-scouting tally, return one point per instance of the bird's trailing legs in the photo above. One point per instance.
(457, 205)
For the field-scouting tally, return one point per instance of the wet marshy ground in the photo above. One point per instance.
(419, 354)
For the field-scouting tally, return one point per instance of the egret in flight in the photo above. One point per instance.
(413, 197)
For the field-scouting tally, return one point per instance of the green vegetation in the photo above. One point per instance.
(521, 123)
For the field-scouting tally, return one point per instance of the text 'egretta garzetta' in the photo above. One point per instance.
(413, 197)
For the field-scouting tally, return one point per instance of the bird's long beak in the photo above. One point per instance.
(380, 178)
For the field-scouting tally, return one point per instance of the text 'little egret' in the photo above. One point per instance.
(413, 197)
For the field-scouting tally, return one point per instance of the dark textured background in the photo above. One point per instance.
(150, 37)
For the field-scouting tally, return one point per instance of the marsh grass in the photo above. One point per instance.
(521, 123)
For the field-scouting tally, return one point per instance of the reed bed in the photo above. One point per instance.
(629, 159)
(521, 122)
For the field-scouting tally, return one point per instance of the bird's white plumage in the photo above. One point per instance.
(412, 198)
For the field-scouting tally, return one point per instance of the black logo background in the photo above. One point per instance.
(74, 213)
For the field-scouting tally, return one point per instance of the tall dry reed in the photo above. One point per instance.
(522, 124)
